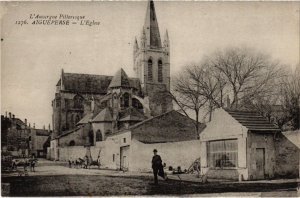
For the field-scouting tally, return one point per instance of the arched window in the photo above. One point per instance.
(72, 143)
(150, 76)
(99, 136)
(126, 99)
(160, 73)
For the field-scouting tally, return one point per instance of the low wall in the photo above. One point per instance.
(174, 154)
(287, 155)
(74, 152)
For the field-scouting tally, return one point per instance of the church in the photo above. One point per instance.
(108, 114)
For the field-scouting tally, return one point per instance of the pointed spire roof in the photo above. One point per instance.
(166, 36)
(120, 80)
(151, 27)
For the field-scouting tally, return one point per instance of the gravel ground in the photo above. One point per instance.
(53, 179)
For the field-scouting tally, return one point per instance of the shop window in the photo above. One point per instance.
(222, 153)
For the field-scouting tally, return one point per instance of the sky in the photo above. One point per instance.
(32, 56)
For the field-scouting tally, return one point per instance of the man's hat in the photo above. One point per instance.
(155, 150)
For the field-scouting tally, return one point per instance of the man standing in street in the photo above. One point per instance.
(156, 165)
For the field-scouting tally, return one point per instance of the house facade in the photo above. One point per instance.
(243, 145)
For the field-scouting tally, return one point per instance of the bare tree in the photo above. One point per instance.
(247, 73)
(194, 89)
(290, 97)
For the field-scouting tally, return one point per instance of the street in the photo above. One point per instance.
(56, 179)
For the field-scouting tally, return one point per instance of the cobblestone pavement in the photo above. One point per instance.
(56, 179)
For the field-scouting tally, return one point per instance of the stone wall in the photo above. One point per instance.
(287, 158)
(75, 152)
(79, 136)
(265, 141)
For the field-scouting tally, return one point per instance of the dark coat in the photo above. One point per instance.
(156, 162)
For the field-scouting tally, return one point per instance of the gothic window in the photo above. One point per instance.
(160, 73)
(99, 136)
(126, 99)
(78, 102)
(72, 143)
(150, 76)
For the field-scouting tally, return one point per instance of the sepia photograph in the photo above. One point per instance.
(150, 98)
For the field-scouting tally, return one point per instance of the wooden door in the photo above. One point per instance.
(260, 163)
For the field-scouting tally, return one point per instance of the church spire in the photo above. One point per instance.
(151, 27)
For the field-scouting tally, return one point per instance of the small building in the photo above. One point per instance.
(244, 145)
(39, 140)
(171, 133)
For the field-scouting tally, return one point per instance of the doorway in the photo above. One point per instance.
(124, 156)
(260, 163)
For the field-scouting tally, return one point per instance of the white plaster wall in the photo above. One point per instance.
(111, 146)
(174, 154)
(222, 126)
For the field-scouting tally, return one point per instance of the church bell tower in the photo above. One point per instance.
(151, 60)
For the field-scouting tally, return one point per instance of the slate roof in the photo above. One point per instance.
(131, 114)
(120, 80)
(252, 120)
(104, 116)
(88, 83)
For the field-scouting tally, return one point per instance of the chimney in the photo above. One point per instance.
(25, 122)
(13, 116)
(228, 102)
(44, 127)
(9, 115)
(49, 128)
(34, 125)
(6, 114)
(29, 125)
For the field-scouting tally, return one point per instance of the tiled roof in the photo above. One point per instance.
(88, 83)
(104, 116)
(168, 127)
(253, 120)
